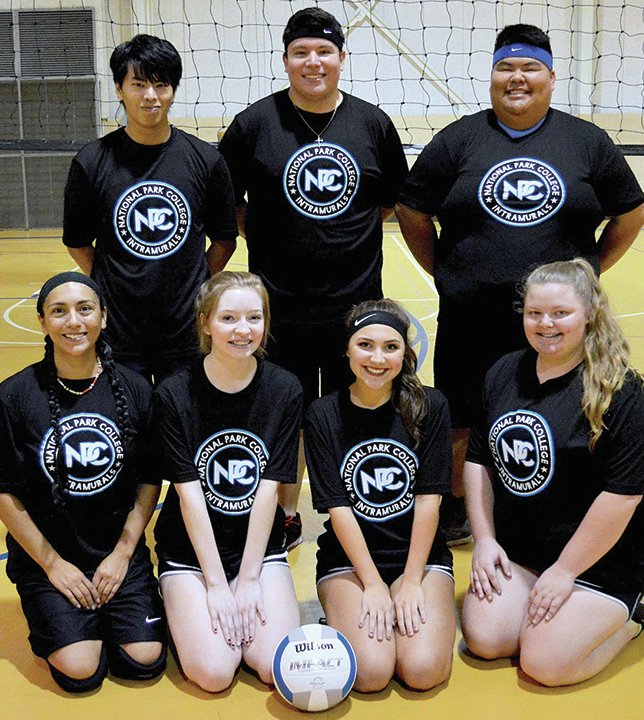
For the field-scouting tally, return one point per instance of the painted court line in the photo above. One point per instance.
(406, 252)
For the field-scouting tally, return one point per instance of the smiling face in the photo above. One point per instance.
(147, 104)
(73, 319)
(236, 326)
(521, 91)
(376, 355)
(313, 66)
(554, 321)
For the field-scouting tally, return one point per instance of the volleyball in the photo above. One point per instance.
(314, 667)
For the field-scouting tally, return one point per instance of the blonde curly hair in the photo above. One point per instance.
(606, 363)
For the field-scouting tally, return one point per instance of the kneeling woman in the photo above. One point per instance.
(229, 427)
(379, 457)
(554, 476)
(76, 493)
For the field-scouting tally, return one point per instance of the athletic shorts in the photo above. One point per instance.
(315, 355)
(629, 600)
(170, 567)
(134, 614)
(330, 563)
(388, 574)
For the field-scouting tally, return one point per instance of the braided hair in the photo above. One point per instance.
(60, 486)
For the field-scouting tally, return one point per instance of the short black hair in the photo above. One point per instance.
(150, 57)
(313, 22)
(521, 33)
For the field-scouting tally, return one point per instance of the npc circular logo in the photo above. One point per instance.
(230, 464)
(523, 452)
(320, 180)
(522, 192)
(92, 453)
(378, 475)
(152, 220)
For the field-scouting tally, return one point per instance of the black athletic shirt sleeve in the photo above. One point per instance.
(282, 463)
(327, 489)
(81, 212)
(11, 456)
(235, 151)
(624, 439)
(175, 445)
(432, 175)
(435, 454)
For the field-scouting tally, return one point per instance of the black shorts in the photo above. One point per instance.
(630, 600)
(389, 575)
(184, 559)
(331, 563)
(314, 354)
(134, 614)
(172, 567)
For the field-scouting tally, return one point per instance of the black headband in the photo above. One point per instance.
(61, 279)
(303, 24)
(378, 317)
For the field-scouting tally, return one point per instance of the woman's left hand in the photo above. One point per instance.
(109, 575)
(249, 597)
(549, 593)
(409, 607)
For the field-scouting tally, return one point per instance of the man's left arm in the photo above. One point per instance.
(220, 223)
(618, 236)
(219, 253)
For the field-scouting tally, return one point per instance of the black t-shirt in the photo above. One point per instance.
(507, 204)
(314, 229)
(149, 208)
(535, 438)
(363, 459)
(102, 477)
(228, 442)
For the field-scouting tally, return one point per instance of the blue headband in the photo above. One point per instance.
(523, 50)
(377, 317)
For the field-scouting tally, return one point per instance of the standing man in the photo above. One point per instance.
(147, 195)
(512, 187)
(315, 172)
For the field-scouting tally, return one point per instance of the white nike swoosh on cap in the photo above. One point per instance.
(359, 321)
(328, 32)
(150, 620)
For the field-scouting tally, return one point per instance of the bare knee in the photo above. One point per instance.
(211, 680)
(373, 675)
(209, 676)
(546, 669)
(424, 675)
(486, 642)
(262, 669)
(145, 653)
(77, 665)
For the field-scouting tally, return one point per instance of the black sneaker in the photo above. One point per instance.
(458, 534)
(454, 521)
(293, 531)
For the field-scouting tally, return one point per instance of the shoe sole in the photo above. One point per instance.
(294, 544)
(459, 541)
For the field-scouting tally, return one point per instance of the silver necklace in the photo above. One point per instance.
(319, 139)
(99, 370)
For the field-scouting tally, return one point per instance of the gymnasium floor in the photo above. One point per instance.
(476, 689)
